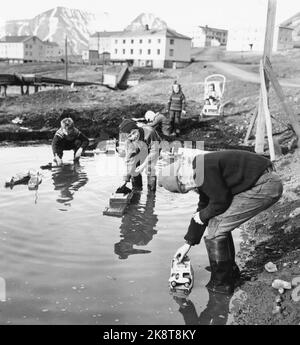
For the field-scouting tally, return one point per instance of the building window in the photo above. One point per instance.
(123, 51)
(116, 51)
(30, 53)
(171, 41)
(26, 45)
(171, 52)
(124, 41)
(26, 53)
(141, 41)
(131, 51)
(141, 52)
(149, 40)
(158, 51)
(116, 41)
(132, 41)
(30, 46)
(149, 51)
(159, 40)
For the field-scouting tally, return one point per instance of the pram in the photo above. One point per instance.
(213, 105)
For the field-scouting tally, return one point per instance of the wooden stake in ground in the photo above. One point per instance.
(269, 35)
(266, 112)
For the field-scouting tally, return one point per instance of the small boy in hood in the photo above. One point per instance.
(176, 107)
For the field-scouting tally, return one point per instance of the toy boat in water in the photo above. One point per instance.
(20, 178)
(182, 276)
(118, 203)
(35, 181)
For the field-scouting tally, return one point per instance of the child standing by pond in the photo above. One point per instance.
(176, 107)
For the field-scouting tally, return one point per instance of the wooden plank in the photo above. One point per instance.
(287, 109)
(260, 128)
(250, 127)
(266, 111)
(268, 45)
(270, 26)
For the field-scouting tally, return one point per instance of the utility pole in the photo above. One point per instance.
(268, 45)
(98, 34)
(66, 57)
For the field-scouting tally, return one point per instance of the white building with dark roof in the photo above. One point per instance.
(27, 48)
(206, 36)
(153, 48)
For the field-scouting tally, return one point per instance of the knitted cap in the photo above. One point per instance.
(127, 126)
(168, 178)
(149, 116)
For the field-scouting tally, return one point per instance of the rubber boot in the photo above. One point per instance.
(137, 183)
(151, 182)
(236, 270)
(221, 263)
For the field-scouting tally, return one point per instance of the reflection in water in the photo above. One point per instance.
(68, 178)
(215, 313)
(137, 227)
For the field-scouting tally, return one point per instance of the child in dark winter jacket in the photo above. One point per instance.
(68, 137)
(176, 107)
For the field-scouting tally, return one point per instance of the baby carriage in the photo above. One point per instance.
(214, 86)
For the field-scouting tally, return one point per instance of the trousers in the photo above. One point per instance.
(266, 192)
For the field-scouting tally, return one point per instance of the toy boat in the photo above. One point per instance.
(182, 276)
(35, 181)
(117, 204)
(20, 178)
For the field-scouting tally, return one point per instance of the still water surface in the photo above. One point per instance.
(65, 263)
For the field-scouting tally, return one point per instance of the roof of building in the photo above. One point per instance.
(101, 34)
(210, 28)
(51, 44)
(285, 27)
(139, 33)
(16, 39)
(291, 22)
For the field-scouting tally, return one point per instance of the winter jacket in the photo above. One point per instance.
(146, 149)
(161, 124)
(176, 101)
(61, 141)
(226, 173)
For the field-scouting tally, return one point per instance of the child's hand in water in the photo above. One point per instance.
(58, 161)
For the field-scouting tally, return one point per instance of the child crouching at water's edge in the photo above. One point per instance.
(68, 137)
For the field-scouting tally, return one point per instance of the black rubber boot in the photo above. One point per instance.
(236, 270)
(137, 183)
(221, 263)
(151, 182)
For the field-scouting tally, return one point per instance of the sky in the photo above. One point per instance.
(180, 15)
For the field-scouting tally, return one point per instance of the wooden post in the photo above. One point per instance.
(266, 112)
(249, 130)
(66, 57)
(268, 45)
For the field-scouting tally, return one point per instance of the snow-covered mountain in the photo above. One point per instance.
(144, 19)
(55, 25)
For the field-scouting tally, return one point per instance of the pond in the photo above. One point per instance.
(64, 262)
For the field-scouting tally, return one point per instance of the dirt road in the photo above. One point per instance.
(245, 75)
